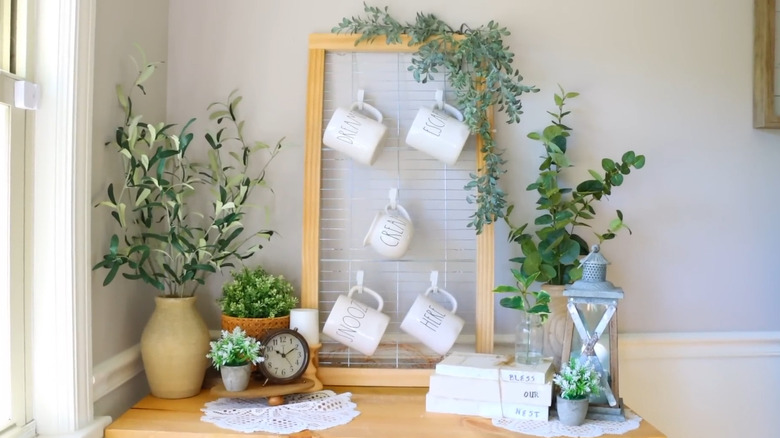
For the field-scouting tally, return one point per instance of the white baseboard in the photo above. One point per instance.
(116, 371)
(714, 385)
(26, 431)
(716, 345)
(92, 430)
(120, 368)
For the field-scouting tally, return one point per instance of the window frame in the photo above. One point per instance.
(19, 296)
(15, 45)
(57, 53)
(765, 113)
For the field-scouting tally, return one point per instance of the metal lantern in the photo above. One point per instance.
(591, 332)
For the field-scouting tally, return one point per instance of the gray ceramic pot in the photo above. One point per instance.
(572, 412)
(236, 378)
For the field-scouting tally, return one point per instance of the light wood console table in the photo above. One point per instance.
(384, 413)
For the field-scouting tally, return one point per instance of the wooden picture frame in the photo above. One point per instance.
(319, 45)
(766, 113)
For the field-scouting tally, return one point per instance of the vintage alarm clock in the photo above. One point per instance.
(285, 356)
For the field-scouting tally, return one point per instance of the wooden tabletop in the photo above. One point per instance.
(384, 413)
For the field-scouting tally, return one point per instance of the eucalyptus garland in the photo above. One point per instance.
(478, 66)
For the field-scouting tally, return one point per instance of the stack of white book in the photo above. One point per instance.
(491, 386)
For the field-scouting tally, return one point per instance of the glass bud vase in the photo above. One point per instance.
(529, 339)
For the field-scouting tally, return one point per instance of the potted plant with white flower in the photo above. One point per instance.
(576, 382)
(233, 354)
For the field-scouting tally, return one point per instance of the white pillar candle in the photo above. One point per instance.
(307, 321)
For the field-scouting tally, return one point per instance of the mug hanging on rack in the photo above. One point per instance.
(439, 131)
(391, 230)
(435, 326)
(353, 133)
(355, 324)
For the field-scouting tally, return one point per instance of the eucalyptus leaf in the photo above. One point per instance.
(478, 65)
(552, 251)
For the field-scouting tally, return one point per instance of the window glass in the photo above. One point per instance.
(6, 411)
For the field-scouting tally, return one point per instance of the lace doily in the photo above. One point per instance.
(316, 411)
(552, 428)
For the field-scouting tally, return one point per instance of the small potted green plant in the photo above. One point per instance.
(233, 354)
(575, 383)
(256, 301)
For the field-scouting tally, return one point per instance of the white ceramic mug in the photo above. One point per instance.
(433, 325)
(353, 133)
(391, 232)
(439, 131)
(355, 324)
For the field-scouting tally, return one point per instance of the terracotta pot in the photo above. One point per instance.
(571, 412)
(174, 345)
(555, 325)
(236, 378)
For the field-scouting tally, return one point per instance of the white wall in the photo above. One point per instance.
(668, 79)
(120, 310)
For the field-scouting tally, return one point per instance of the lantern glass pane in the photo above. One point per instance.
(591, 315)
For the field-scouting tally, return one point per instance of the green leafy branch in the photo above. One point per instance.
(552, 251)
(163, 243)
(521, 299)
(478, 65)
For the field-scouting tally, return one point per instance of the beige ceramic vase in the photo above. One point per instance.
(555, 326)
(174, 345)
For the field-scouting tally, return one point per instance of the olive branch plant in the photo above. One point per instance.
(166, 240)
(478, 66)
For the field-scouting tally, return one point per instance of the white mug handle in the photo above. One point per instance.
(449, 296)
(370, 109)
(400, 208)
(454, 112)
(361, 289)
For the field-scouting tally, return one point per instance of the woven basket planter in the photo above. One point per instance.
(255, 327)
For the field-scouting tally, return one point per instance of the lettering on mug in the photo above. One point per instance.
(349, 128)
(392, 231)
(351, 320)
(432, 318)
(435, 123)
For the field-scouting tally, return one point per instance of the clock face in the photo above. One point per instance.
(286, 356)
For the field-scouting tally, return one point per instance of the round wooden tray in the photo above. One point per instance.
(273, 392)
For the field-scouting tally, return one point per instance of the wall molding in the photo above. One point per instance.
(59, 275)
(122, 367)
(710, 345)
(92, 430)
(116, 371)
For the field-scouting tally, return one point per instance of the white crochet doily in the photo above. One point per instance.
(315, 411)
(552, 428)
